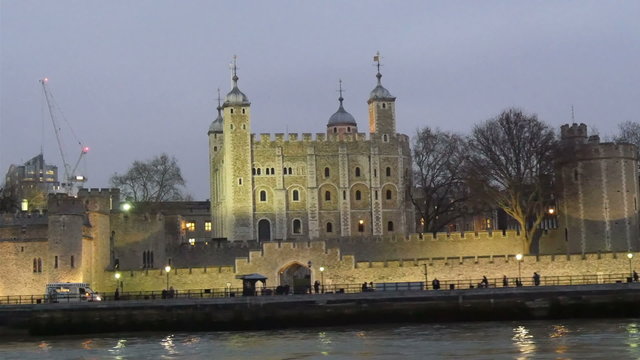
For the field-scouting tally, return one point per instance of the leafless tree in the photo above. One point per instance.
(155, 180)
(511, 162)
(439, 192)
(629, 133)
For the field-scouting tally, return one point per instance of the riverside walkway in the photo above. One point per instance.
(269, 312)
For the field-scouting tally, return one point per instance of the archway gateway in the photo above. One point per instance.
(264, 230)
(297, 276)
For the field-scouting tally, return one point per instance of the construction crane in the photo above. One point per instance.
(70, 176)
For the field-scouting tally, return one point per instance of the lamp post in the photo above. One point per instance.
(167, 269)
(519, 259)
(322, 279)
(228, 289)
(118, 283)
(426, 278)
(630, 256)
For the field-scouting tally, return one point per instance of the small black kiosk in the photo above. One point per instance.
(249, 283)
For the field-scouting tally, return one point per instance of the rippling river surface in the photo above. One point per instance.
(564, 339)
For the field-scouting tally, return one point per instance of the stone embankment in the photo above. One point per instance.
(269, 312)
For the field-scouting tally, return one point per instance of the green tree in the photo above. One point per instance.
(155, 180)
(511, 166)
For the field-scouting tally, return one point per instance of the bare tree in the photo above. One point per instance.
(155, 180)
(629, 133)
(511, 162)
(439, 191)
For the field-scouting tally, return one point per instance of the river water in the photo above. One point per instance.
(563, 339)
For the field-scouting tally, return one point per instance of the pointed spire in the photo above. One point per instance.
(340, 90)
(219, 99)
(235, 96)
(234, 74)
(379, 92)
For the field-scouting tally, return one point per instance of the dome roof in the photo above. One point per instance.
(235, 96)
(341, 117)
(217, 125)
(379, 92)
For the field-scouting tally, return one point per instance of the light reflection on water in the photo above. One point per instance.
(566, 339)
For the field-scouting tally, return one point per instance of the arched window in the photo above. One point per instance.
(258, 171)
(358, 195)
(357, 172)
(348, 128)
(253, 171)
(327, 196)
(384, 106)
(388, 171)
(335, 130)
(290, 171)
(263, 195)
(361, 226)
(385, 138)
(390, 226)
(327, 172)
(297, 226)
(389, 194)
(295, 195)
(329, 227)
(273, 171)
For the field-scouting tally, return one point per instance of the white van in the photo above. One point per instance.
(69, 292)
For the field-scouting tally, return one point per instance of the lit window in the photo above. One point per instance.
(192, 241)
(190, 226)
(361, 226)
(207, 226)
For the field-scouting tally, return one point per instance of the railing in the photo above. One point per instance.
(328, 289)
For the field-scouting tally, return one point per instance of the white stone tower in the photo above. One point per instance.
(382, 112)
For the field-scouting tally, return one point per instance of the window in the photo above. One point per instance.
(335, 130)
(348, 128)
(361, 226)
(73, 263)
(290, 171)
(375, 172)
(376, 194)
(384, 106)
(232, 113)
(273, 171)
(244, 127)
(190, 226)
(390, 226)
(327, 196)
(263, 196)
(357, 172)
(358, 195)
(295, 195)
(243, 110)
(329, 227)
(147, 259)
(192, 241)
(207, 226)
(388, 171)
(344, 195)
(327, 172)
(297, 226)
(215, 148)
(239, 181)
(55, 262)
(389, 194)
(258, 171)
(253, 171)
(35, 265)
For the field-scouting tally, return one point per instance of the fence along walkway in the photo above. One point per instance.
(445, 284)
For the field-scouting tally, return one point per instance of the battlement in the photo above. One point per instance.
(574, 132)
(279, 138)
(597, 151)
(23, 218)
(65, 204)
(98, 192)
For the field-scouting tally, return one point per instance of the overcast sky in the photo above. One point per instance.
(138, 78)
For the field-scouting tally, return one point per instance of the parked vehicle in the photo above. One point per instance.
(70, 292)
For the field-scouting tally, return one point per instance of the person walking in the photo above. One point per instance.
(316, 286)
(635, 276)
(536, 279)
(505, 281)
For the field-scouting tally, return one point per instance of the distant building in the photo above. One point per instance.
(35, 174)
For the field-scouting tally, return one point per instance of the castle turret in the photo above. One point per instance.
(237, 217)
(216, 157)
(341, 122)
(598, 193)
(382, 113)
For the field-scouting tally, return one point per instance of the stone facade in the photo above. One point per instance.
(598, 193)
(333, 185)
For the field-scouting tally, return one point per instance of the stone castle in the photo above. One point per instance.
(284, 207)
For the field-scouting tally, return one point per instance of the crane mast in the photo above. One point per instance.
(70, 177)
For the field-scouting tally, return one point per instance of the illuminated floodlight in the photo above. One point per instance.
(518, 257)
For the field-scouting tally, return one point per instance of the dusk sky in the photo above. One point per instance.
(138, 78)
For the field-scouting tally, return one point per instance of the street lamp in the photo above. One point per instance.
(117, 276)
(630, 256)
(519, 259)
(167, 269)
(322, 278)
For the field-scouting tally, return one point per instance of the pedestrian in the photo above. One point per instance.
(364, 286)
(371, 288)
(116, 296)
(485, 282)
(636, 277)
(316, 286)
(435, 284)
(536, 279)
(172, 293)
(505, 281)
